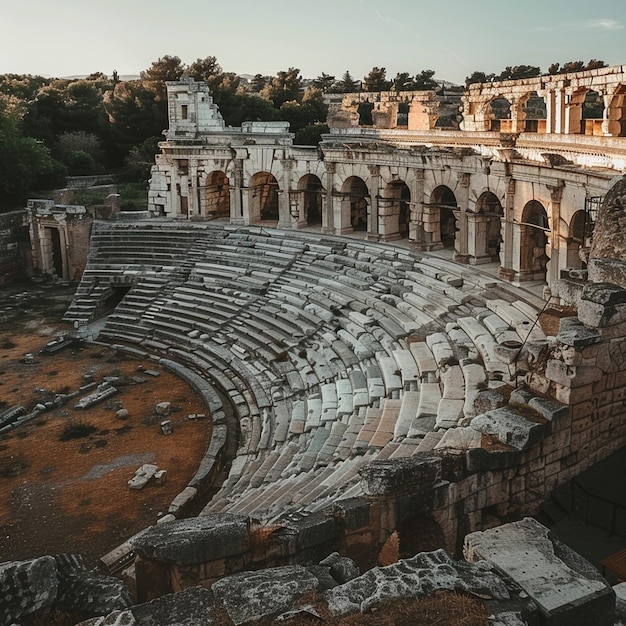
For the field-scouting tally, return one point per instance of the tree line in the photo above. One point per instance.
(53, 127)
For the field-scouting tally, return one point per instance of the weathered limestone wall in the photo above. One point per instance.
(14, 246)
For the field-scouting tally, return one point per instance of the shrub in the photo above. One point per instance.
(76, 429)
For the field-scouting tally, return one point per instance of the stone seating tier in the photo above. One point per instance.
(332, 352)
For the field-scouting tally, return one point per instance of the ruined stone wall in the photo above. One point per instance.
(14, 246)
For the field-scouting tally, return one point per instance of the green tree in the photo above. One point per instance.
(25, 164)
(284, 87)
(425, 81)
(575, 66)
(311, 135)
(140, 158)
(518, 72)
(347, 84)
(479, 77)
(163, 69)
(68, 144)
(204, 69)
(376, 80)
(249, 108)
(315, 97)
(24, 87)
(324, 82)
(403, 82)
(258, 83)
(134, 113)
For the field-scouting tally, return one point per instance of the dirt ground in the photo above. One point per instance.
(72, 496)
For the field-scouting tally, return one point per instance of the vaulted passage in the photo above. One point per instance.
(355, 202)
(534, 240)
(444, 202)
(263, 198)
(311, 186)
(217, 195)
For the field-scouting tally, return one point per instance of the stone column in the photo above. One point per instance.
(417, 233)
(461, 249)
(192, 193)
(373, 226)
(238, 198)
(555, 111)
(573, 116)
(506, 254)
(284, 215)
(328, 200)
(557, 235)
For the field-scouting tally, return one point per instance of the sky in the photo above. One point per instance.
(454, 38)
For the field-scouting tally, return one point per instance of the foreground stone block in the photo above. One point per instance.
(421, 575)
(26, 587)
(250, 596)
(191, 607)
(568, 590)
(195, 540)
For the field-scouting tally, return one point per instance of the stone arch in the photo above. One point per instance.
(394, 209)
(419, 533)
(500, 114)
(355, 202)
(217, 195)
(443, 202)
(579, 228)
(592, 113)
(617, 113)
(534, 113)
(534, 241)
(488, 235)
(263, 197)
(310, 195)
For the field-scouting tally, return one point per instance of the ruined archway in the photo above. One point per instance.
(355, 202)
(579, 228)
(488, 234)
(443, 202)
(534, 111)
(310, 188)
(592, 113)
(217, 195)
(263, 197)
(500, 115)
(534, 240)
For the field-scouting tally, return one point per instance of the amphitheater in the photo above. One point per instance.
(409, 330)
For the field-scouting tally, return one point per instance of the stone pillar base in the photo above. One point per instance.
(480, 260)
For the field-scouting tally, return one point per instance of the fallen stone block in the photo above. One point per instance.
(567, 589)
(250, 596)
(421, 575)
(142, 476)
(163, 409)
(26, 587)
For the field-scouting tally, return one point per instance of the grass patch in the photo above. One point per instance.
(76, 429)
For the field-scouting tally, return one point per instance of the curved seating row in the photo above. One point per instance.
(332, 351)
